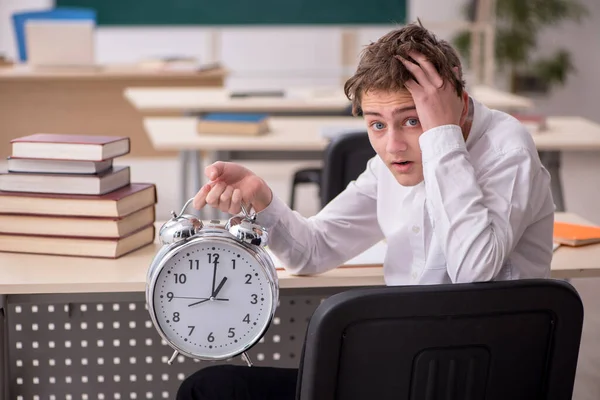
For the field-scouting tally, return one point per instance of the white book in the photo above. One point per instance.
(103, 183)
(48, 166)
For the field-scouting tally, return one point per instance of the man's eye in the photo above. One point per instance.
(412, 122)
(378, 125)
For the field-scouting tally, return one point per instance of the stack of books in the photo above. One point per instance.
(63, 195)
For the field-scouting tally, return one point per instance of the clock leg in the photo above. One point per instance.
(246, 358)
(173, 357)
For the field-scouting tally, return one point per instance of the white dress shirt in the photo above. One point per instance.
(484, 212)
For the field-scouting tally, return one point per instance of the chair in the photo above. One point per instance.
(345, 158)
(310, 175)
(492, 340)
(62, 13)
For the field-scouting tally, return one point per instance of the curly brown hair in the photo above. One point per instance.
(378, 69)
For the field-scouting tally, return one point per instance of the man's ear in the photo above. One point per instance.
(456, 72)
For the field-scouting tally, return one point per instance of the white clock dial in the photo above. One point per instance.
(213, 299)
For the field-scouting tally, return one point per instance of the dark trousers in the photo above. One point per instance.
(229, 382)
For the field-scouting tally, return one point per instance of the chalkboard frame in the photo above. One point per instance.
(244, 12)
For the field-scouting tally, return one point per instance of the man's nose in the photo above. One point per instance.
(396, 142)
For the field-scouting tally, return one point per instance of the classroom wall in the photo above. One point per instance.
(257, 57)
(263, 57)
(578, 97)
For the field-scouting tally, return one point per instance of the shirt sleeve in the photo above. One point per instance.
(478, 216)
(343, 229)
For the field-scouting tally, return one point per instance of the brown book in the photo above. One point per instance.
(118, 203)
(77, 246)
(96, 184)
(53, 225)
(45, 166)
(70, 147)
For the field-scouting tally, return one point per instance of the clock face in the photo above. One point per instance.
(212, 299)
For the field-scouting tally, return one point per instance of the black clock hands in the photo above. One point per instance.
(205, 300)
(214, 278)
(216, 292)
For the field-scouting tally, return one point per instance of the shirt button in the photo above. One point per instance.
(414, 275)
(416, 229)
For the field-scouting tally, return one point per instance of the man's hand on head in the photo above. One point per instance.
(436, 101)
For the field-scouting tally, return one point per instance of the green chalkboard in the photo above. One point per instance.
(243, 12)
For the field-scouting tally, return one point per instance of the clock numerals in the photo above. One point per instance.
(195, 263)
(170, 296)
(180, 278)
(254, 299)
(191, 328)
(176, 317)
(231, 333)
(210, 337)
(213, 258)
(233, 262)
(248, 279)
(246, 319)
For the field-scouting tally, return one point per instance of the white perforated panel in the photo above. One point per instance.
(109, 349)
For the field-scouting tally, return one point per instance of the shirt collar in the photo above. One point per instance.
(481, 119)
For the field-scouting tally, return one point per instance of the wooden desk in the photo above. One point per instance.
(288, 133)
(52, 311)
(569, 134)
(88, 101)
(34, 274)
(178, 101)
(166, 101)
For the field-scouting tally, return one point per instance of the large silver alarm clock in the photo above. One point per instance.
(212, 288)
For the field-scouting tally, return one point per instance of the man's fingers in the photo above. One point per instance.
(432, 75)
(411, 86)
(225, 199)
(418, 73)
(215, 170)
(236, 201)
(215, 193)
(200, 198)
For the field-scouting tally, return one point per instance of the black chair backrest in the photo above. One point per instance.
(345, 159)
(493, 340)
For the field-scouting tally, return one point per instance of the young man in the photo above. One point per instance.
(457, 190)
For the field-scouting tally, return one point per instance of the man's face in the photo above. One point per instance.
(394, 131)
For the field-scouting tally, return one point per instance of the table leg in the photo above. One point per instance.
(183, 177)
(197, 165)
(4, 365)
(551, 160)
